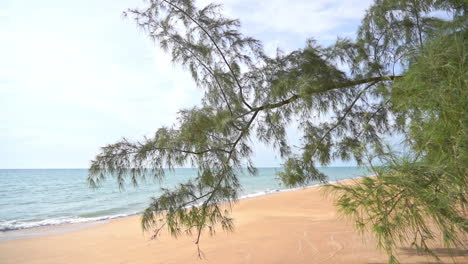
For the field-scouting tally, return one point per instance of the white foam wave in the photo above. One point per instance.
(263, 193)
(16, 225)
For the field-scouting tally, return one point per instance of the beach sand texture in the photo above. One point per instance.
(290, 227)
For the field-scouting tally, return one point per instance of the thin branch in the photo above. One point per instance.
(294, 97)
(217, 47)
(347, 111)
(173, 149)
(195, 199)
(193, 152)
(416, 14)
(205, 203)
(157, 231)
(371, 117)
(210, 71)
(244, 131)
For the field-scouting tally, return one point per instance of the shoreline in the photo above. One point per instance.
(300, 226)
(54, 229)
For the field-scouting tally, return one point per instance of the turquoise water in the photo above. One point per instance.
(30, 198)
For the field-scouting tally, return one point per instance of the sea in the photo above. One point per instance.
(43, 197)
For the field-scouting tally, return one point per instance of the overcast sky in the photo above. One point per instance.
(75, 75)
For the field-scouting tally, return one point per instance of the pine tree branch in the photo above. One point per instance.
(221, 178)
(210, 71)
(370, 118)
(340, 120)
(418, 25)
(170, 149)
(217, 47)
(294, 97)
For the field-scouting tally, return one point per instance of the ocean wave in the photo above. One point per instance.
(17, 225)
(90, 217)
(266, 192)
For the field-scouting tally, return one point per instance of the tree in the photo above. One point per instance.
(417, 197)
(250, 94)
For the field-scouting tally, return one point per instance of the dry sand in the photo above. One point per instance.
(291, 227)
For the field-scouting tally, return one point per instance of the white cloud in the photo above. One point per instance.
(75, 76)
(79, 82)
(321, 19)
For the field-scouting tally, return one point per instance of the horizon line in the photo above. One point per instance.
(260, 167)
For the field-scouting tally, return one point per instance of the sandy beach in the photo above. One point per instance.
(298, 226)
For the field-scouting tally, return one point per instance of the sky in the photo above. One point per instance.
(76, 75)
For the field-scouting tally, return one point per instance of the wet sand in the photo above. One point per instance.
(299, 226)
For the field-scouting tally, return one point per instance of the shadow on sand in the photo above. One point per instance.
(440, 252)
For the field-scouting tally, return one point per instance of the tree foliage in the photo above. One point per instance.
(418, 197)
(395, 73)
